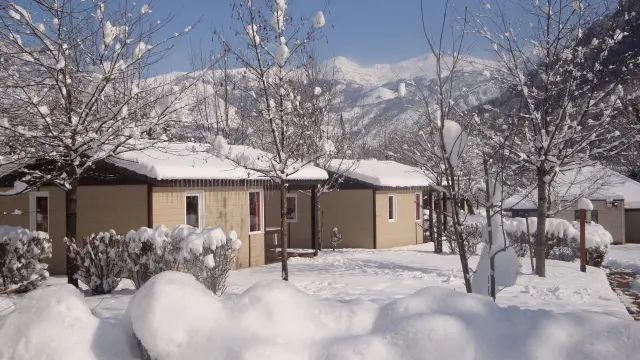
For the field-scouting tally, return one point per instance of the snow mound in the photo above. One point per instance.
(585, 204)
(55, 323)
(175, 317)
(624, 257)
(635, 284)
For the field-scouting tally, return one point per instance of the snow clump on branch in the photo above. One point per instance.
(455, 141)
(318, 20)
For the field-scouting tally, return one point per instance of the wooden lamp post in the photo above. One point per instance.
(583, 205)
(583, 248)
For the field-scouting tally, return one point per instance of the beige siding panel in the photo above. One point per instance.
(272, 208)
(57, 222)
(119, 208)
(300, 230)
(611, 218)
(227, 207)
(632, 226)
(405, 230)
(351, 211)
(256, 249)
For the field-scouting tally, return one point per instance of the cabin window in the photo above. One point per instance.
(292, 208)
(393, 208)
(591, 216)
(418, 206)
(256, 211)
(193, 209)
(39, 211)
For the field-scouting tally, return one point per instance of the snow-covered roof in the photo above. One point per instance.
(591, 182)
(191, 161)
(381, 173)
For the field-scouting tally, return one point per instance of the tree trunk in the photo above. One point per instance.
(430, 207)
(438, 242)
(470, 207)
(71, 199)
(283, 226)
(318, 228)
(541, 240)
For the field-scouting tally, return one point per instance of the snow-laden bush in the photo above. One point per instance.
(471, 233)
(21, 252)
(148, 252)
(563, 239)
(99, 260)
(208, 254)
(335, 239)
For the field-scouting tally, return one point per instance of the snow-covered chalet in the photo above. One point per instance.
(616, 201)
(179, 183)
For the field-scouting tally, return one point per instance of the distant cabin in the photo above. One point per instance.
(616, 201)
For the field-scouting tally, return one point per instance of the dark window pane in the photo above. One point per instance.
(292, 208)
(193, 210)
(594, 216)
(254, 212)
(42, 213)
(392, 214)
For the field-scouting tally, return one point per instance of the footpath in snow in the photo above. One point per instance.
(623, 270)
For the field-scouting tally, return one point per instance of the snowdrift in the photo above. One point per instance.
(55, 323)
(175, 317)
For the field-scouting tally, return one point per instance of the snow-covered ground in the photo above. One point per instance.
(370, 306)
(383, 275)
(624, 258)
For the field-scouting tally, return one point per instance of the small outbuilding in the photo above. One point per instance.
(615, 199)
(376, 205)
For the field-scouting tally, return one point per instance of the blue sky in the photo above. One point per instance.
(366, 31)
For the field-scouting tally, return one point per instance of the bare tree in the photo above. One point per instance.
(441, 135)
(280, 100)
(76, 91)
(216, 96)
(566, 98)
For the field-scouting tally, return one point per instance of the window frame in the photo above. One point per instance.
(394, 207)
(295, 199)
(200, 195)
(261, 216)
(589, 216)
(419, 198)
(33, 216)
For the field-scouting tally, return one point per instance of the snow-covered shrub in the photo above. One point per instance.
(21, 252)
(471, 233)
(208, 254)
(148, 252)
(335, 239)
(563, 239)
(99, 260)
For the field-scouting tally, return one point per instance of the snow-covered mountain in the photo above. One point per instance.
(368, 100)
(369, 93)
